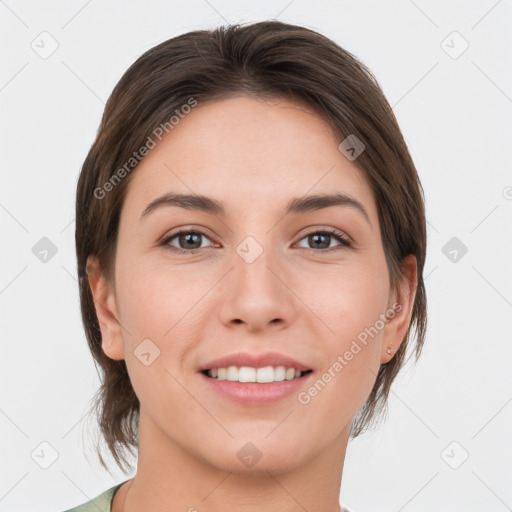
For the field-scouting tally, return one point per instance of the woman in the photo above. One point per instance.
(250, 235)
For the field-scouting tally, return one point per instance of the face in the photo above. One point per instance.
(308, 283)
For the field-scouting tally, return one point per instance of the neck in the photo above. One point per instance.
(170, 477)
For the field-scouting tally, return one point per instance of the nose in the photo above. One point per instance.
(256, 294)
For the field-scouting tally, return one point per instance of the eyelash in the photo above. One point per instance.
(341, 237)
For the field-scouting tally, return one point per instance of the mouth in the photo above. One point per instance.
(255, 379)
(263, 375)
(255, 387)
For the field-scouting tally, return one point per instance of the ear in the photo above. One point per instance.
(106, 310)
(400, 309)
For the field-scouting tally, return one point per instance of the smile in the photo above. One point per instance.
(250, 374)
(255, 393)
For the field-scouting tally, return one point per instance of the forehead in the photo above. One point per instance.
(246, 151)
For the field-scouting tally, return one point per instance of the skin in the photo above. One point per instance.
(253, 156)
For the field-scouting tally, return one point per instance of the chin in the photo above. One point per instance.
(258, 455)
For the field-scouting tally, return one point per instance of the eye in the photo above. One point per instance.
(188, 241)
(321, 240)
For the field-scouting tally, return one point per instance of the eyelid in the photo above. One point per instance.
(189, 228)
(345, 241)
(329, 230)
(164, 241)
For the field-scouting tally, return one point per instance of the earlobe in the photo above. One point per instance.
(106, 310)
(402, 308)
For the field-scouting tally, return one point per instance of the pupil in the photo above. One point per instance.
(190, 237)
(317, 237)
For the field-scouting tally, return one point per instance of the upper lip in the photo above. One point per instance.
(255, 361)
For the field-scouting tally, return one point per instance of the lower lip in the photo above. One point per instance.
(252, 393)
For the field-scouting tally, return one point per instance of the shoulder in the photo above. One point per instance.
(101, 503)
(345, 509)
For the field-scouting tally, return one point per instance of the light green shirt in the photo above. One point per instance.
(102, 503)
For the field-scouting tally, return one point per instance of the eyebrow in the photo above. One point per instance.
(295, 205)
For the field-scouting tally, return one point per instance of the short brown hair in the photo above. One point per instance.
(266, 60)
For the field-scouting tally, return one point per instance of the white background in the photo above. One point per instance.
(455, 115)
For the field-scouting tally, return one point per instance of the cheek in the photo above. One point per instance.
(352, 353)
(153, 310)
(153, 297)
(351, 304)
(349, 298)
(158, 303)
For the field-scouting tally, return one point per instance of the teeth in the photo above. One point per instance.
(291, 373)
(249, 374)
